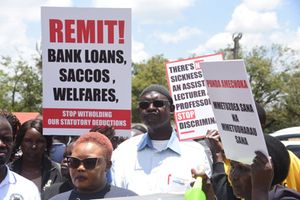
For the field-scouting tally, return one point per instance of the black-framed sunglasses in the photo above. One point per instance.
(157, 103)
(88, 163)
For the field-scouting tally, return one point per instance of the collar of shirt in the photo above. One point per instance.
(9, 178)
(173, 143)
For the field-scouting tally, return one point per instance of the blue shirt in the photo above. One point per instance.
(140, 167)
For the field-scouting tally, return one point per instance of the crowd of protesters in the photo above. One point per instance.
(99, 164)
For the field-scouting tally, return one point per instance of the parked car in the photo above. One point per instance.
(291, 133)
(293, 146)
(290, 137)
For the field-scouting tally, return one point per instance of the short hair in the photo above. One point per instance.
(280, 158)
(98, 139)
(158, 88)
(140, 128)
(110, 133)
(4, 119)
(36, 124)
(13, 121)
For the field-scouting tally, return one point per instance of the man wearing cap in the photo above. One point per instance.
(157, 162)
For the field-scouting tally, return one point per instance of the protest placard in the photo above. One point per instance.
(234, 109)
(193, 113)
(86, 69)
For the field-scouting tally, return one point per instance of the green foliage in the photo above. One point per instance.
(228, 53)
(271, 74)
(4, 89)
(21, 86)
(287, 112)
(267, 84)
(38, 57)
(292, 99)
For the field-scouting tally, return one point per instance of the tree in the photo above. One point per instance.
(22, 86)
(267, 84)
(292, 99)
(4, 89)
(287, 112)
(144, 74)
(271, 75)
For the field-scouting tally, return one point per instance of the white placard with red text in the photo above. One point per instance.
(193, 113)
(86, 69)
(234, 109)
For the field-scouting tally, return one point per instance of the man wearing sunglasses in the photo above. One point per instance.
(157, 162)
(88, 164)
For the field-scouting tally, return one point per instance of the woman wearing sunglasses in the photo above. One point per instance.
(88, 164)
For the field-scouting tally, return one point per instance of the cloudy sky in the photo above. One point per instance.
(174, 28)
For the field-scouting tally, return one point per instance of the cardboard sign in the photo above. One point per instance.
(193, 113)
(234, 108)
(86, 69)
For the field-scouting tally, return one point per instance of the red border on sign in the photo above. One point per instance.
(85, 118)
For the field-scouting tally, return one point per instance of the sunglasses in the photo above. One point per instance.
(157, 103)
(88, 163)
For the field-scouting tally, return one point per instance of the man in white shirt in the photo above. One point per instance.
(12, 185)
(157, 162)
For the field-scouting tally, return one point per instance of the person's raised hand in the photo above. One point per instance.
(198, 173)
(215, 145)
(206, 184)
(261, 174)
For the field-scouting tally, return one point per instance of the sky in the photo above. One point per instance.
(174, 28)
